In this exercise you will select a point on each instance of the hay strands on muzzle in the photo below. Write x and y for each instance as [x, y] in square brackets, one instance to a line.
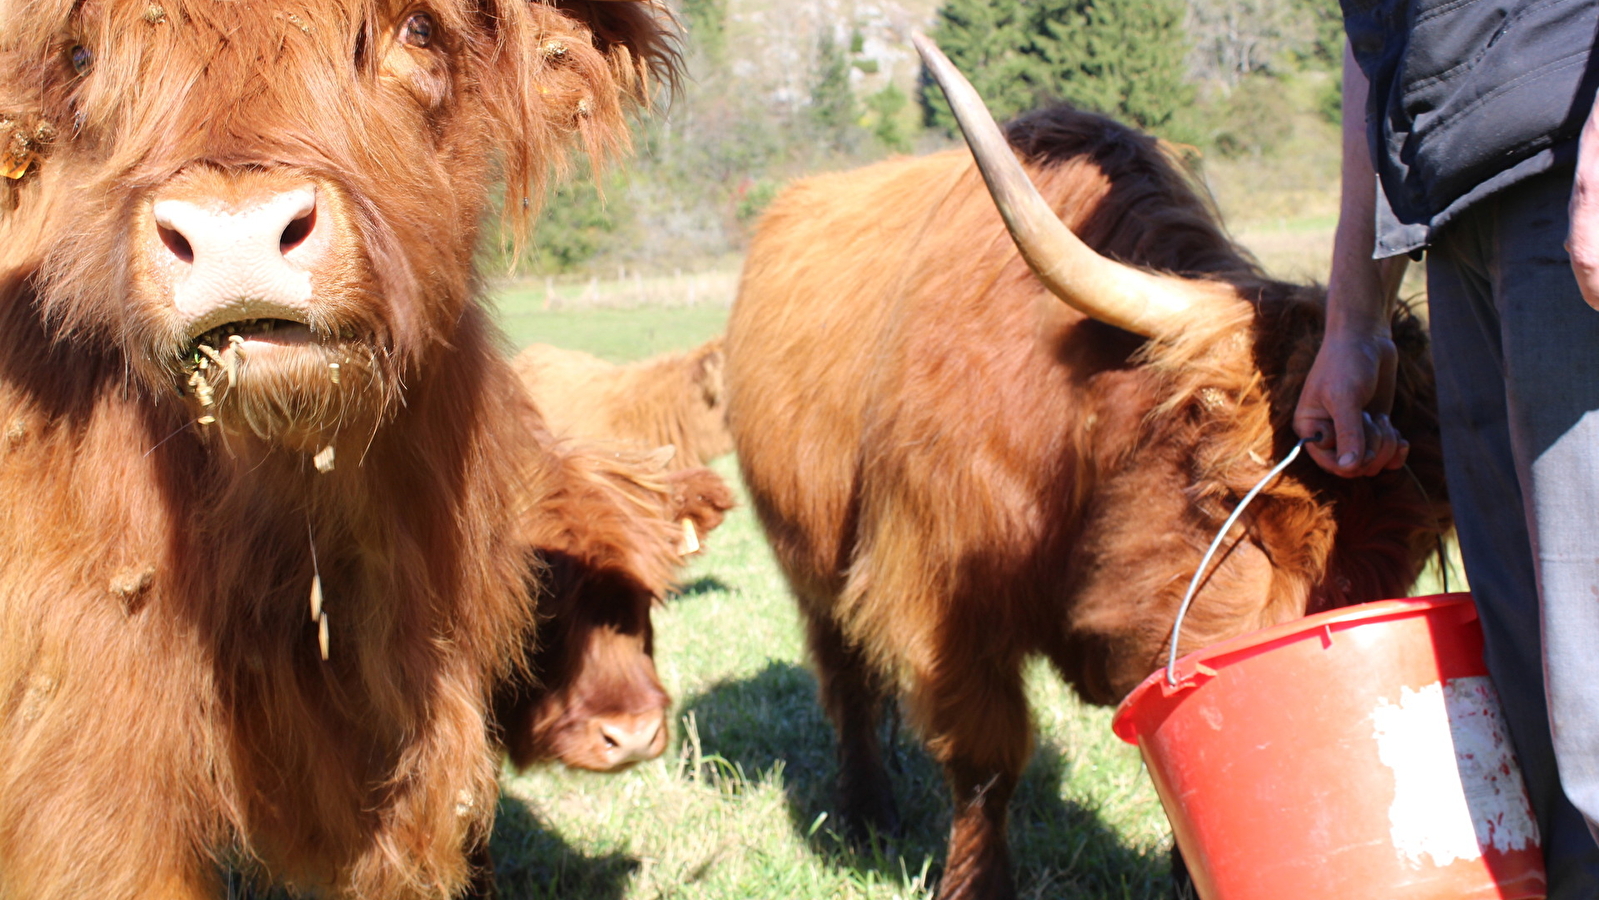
[1150, 304]
[688, 542]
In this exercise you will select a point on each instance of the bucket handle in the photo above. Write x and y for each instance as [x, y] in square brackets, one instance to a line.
[1204, 562]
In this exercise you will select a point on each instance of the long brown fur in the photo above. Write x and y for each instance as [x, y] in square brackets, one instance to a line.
[672, 398]
[958, 472]
[163, 708]
[606, 547]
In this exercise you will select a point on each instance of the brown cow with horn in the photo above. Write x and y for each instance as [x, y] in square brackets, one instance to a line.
[244, 369]
[965, 456]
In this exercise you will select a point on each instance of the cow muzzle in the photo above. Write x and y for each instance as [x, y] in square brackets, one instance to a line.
[614, 742]
[245, 262]
[257, 279]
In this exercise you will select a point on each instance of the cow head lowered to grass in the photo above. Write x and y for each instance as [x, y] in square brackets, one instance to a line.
[605, 545]
[241, 354]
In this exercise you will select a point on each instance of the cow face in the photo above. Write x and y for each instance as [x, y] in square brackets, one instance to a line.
[271, 209]
[598, 703]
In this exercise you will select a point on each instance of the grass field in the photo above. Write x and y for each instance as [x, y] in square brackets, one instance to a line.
[618, 319]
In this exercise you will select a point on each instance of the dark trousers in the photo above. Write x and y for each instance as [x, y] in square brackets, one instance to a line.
[1517, 355]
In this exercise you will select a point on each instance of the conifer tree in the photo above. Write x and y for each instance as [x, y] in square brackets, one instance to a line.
[705, 23]
[988, 40]
[1122, 57]
[832, 108]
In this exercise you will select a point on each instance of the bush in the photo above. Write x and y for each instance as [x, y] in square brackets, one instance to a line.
[705, 24]
[752, 198]
[574, 225]
[1254, 119]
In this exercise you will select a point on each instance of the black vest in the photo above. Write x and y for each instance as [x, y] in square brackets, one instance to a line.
[1468, 97]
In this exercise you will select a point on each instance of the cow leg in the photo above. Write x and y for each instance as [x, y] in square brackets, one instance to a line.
[853, 699]
[978, 865]
[978, 728]
[482, 886]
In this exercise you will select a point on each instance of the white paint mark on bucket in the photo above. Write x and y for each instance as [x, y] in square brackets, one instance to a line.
[1452, 812]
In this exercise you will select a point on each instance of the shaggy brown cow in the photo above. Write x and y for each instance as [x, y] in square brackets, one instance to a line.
[673, 398]
[959, 471]
[606, 540]
[241, 354]
[606, 546]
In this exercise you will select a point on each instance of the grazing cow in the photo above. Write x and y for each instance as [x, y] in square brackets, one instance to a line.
[958, 470]
[673, 398]
[606, 544]
[243, 366]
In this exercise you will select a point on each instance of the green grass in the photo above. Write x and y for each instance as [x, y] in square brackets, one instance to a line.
[619, 320]
[617, 334]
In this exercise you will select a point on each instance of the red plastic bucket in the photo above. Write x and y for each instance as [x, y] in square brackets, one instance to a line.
[1355, 753]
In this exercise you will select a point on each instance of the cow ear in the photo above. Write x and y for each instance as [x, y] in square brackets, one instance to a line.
[708, 372]
[562, 75]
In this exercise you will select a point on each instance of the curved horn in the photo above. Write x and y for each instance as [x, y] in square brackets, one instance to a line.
[1144, 303]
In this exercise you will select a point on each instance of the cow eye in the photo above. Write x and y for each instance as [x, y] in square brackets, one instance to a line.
[417, 30]
[81, 58]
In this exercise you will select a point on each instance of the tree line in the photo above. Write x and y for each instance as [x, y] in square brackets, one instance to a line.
[767, 99]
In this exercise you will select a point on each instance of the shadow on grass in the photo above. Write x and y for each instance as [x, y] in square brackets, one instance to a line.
[1059, 847]
[532, 862]
[705, 584]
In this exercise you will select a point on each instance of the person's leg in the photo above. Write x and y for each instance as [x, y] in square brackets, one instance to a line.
[1517, 354]
[1552, 368]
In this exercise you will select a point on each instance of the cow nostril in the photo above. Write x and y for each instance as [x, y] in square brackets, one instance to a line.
[176, 243]
[297, 231]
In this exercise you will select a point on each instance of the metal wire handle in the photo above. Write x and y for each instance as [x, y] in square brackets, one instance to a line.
[1204, 562]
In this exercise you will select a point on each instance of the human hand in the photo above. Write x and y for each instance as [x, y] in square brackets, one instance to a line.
[1350, 388]
[1582, 242]
[1346, 400]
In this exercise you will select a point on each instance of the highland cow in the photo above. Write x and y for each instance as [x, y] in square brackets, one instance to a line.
[672, 399]
[606, 544]
[959, 471]
[265, 540]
